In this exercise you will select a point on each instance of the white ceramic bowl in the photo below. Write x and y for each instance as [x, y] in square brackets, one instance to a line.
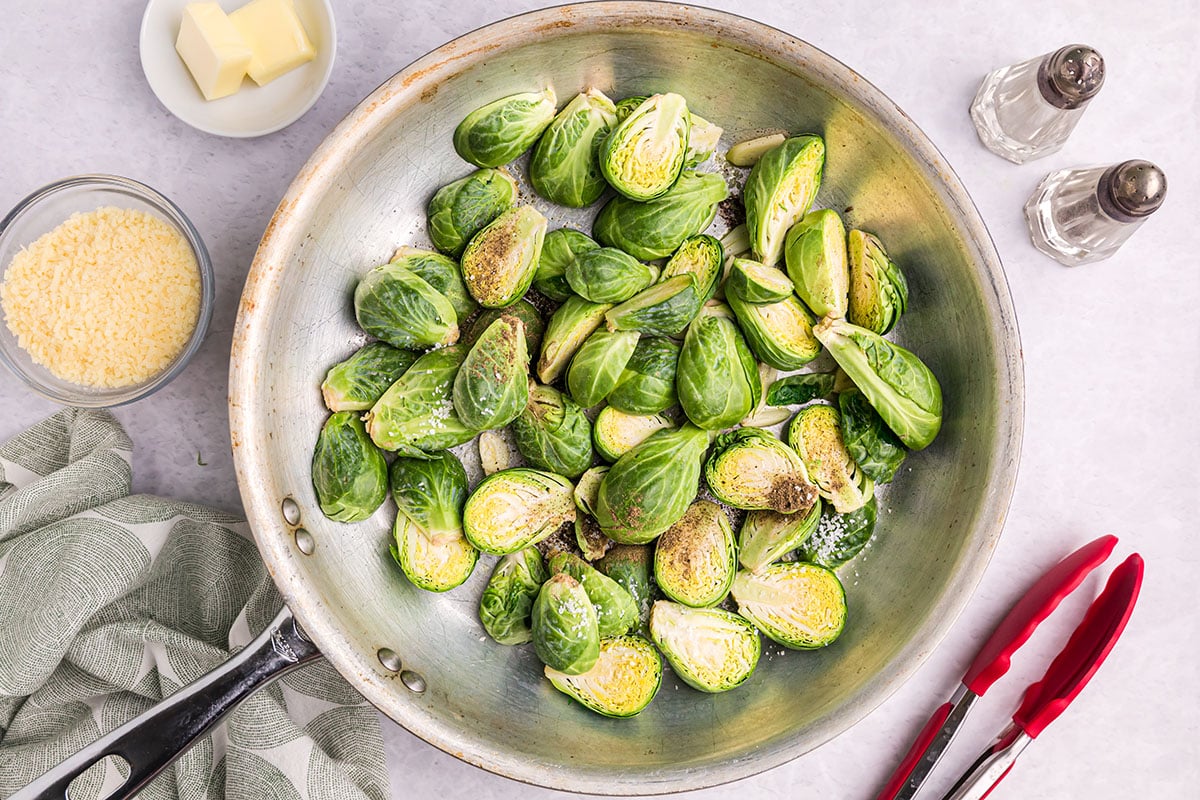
[253, 111]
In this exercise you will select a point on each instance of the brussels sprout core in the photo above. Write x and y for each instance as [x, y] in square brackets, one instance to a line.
[516, 508]
[695, 560]
[801, 606]
[615, 433]
[645, 153]
[710, 649]
[749, 468]
[878, 291]
[816, 435]
[623, 681]
[778, 192]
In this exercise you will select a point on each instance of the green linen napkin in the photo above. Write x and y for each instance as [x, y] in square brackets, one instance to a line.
[109, 602]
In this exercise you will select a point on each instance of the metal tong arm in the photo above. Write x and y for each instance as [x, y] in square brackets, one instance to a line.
[151, 741]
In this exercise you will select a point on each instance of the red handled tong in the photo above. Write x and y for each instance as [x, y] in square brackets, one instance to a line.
[1044, 700]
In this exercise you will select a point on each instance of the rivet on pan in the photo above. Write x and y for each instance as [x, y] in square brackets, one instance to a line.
[389, 659]
[413, 681]
[305, 541]
[291, 511]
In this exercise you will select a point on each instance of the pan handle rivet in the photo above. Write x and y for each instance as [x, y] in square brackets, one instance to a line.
[389, 659]
[291, 511]
[413, 681]
[305, 541]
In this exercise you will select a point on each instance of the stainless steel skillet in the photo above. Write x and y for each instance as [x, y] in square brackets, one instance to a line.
[421, 658]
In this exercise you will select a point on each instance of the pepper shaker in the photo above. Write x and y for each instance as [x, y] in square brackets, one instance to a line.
[1027, 110]
[1077, 216]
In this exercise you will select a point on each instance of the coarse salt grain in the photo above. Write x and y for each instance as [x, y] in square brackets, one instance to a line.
[107, 299]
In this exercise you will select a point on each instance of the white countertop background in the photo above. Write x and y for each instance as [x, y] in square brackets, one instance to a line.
[1112, 350]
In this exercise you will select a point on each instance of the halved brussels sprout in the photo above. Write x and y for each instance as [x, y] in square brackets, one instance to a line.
[695, 559]
[794, 390]
[416, 416]
[495, 453]
[816, 435]
[569, 326]
[441, 273]
[700, 255]
[656, 228]
[517, 508]
[553, 434]
[703, 138]
[461, 209]
[589, 538]
[878, 291]
[431, 492]
[629, 565]
[608, 275]
[507, 601]
[798, 605]
[717, 378]
[646, 151]
[587, 488]
[394, 304]
[767, 536]
[840, 537]
[778, 192]
[746, 153]
[651, 486]
[504, 129]
[598, 364]
[565, 168]
[815, 253]
[778, 333]
[615, 433]
[348, 471]
[560, 247]
[751, 469]
[755, 283]
[565, 632]
[623, 681]
[647, 384]
[616, 612]
[897, 384]
[432, 564]
[358, 382]
[735, 243]
[492, 387]
[710, 649]
[871, 443]
[664, 309]
[500, 260]
[628, 105]
[524, 311]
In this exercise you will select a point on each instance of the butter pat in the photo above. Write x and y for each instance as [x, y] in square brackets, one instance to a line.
[213, 50]
[276, 37]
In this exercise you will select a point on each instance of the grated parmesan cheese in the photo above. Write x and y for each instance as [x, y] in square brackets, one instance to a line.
[107, 299]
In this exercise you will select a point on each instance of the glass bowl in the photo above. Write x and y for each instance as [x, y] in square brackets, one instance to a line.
[43, 211]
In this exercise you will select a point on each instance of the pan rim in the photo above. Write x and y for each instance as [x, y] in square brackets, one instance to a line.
[267, 271]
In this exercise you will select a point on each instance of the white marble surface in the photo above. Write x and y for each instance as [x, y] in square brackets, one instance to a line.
[1112, 350]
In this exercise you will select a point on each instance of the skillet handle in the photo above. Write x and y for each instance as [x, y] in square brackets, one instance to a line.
[151, 741]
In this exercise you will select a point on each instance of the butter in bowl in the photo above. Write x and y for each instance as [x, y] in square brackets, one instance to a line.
[238, 68]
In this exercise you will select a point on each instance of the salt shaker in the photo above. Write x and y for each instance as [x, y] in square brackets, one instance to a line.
[1027, 110]
[1077, 216]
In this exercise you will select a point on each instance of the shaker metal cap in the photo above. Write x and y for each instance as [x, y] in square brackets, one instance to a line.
[1132, 190]
[1071, 76]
